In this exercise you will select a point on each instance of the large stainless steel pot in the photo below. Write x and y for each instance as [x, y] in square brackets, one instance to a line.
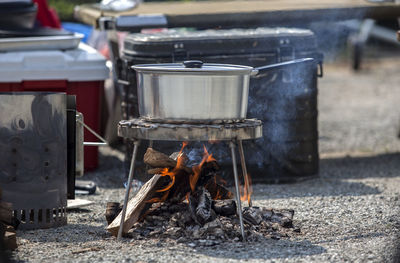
[197, 92]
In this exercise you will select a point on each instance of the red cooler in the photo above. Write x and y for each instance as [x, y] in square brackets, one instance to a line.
[79, 72]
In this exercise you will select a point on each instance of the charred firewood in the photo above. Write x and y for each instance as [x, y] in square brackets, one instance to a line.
[224, 207]
[200, 206]
[155, 170]
[208, 171]
[159, 160]
[175, 155]
[252, 215]
[217, 191]
[180, 188]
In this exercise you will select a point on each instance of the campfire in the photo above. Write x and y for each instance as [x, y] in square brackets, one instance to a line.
[193, 203]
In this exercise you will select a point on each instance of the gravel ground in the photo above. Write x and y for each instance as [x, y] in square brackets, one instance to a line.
[349, 213]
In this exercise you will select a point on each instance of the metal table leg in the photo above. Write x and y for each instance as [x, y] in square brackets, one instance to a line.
[128, 188]
[232, 145]
[244, 170]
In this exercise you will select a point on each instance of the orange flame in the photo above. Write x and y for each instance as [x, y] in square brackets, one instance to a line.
[197, 169]
[244, 194]
[179, 161]
[171, 174]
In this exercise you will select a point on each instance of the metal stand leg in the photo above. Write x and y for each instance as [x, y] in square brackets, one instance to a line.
[244, 170]
[128, 188]
[238, 201]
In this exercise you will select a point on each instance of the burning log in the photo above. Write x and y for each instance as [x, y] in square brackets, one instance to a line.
[155, 170]
[181, 156]
[218, 191]
[157, 159]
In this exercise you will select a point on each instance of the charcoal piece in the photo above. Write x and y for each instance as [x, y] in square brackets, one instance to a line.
[200, 206]
[282, 220]
[156, 232]
[214, 229]
[252, 215]
[224, 207]
[213, 225]
[173, 232]
[267, 214]
[208, 172]
[218, 191]
[181, 218]
[289, 213]
[112, 211]
[284, 217]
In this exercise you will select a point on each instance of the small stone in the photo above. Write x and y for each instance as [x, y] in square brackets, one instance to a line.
[174, 232]
[181, 240]
[196, 234]
[213, 225]
[236, 239]
[192, 245]
[297, 230]
[276, 237]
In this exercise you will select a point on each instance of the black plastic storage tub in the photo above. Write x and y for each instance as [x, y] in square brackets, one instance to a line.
[17, 14]
[285, 99]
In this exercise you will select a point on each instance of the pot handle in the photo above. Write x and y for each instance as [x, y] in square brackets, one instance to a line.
[193, 63]
[280, 65]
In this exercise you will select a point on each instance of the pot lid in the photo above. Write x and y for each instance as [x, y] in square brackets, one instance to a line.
[194, 66]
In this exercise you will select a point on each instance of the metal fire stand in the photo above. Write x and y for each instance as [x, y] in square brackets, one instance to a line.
[232, 132]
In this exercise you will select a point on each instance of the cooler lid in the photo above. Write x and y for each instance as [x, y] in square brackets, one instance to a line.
[218, 42]
[81, 64]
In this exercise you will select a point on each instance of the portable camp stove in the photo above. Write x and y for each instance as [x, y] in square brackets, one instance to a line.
[229, 131]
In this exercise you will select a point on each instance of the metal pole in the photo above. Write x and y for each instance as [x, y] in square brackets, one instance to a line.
[238, 201]
[244, 170]
[128, 188]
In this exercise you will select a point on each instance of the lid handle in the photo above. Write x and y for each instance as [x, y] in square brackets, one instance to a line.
[193, 63]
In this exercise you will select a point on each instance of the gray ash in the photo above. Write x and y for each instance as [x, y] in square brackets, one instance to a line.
[177, 222]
